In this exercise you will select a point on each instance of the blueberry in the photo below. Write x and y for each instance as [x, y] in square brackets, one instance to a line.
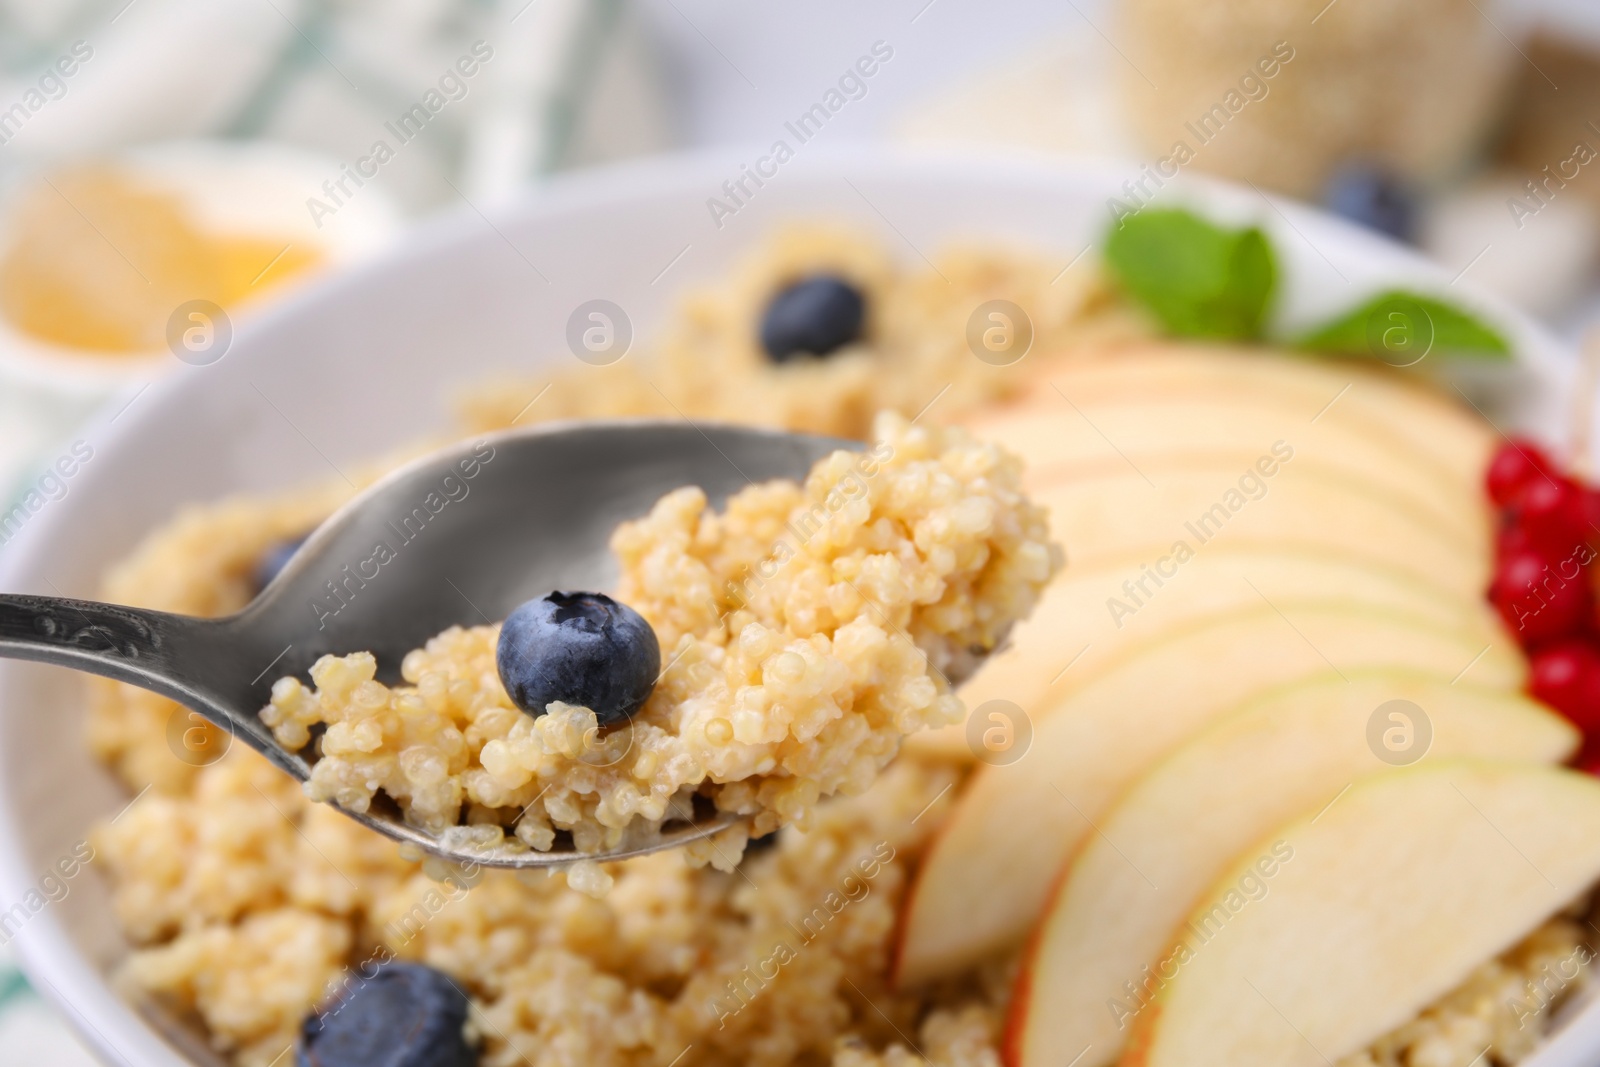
[404, 1015]
[1372, 198]
[580, 648]
[813, 316]
[274, 558]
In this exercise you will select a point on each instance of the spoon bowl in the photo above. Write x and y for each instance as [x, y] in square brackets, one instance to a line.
[459, 537]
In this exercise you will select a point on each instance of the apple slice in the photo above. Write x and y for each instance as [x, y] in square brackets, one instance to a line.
[1091, 614]
[1431, 424]
[1345, 924]
[1057, 430]
[1180, 510]
[1180, 827]
[987, 875]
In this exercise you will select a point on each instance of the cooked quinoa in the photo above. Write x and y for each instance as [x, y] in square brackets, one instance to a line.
[806, 629]
[913, 355]
[250, 902]
[1503, 1010]
[247, 904]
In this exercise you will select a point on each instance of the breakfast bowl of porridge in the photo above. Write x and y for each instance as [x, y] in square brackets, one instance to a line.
[1168, 669]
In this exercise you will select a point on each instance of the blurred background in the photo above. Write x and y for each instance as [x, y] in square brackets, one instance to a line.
[169, 168]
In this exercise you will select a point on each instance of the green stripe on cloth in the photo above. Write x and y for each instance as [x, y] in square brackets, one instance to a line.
[13, 987]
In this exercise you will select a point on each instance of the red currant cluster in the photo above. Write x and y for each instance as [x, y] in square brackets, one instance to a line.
[1544, 583]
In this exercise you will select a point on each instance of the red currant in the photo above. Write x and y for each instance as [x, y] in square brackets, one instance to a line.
[1567, 677]
[1588, 513]
[1588, 758]
[1554, 514]
[1510, 539]
[1540, 600]
[1517, 464]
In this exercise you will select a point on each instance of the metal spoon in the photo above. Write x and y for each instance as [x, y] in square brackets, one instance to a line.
[471, 532]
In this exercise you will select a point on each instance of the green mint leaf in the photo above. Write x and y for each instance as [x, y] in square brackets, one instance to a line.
[1401, 328]
[1201, 280]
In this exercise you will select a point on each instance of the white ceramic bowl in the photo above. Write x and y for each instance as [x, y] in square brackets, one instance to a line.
[368, 361]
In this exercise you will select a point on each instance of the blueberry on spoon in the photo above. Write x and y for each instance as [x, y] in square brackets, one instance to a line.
[579, 648]
[813, 316]
[405, 1015]
[274, 559]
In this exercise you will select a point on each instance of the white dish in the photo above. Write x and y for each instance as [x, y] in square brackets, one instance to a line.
[368, 360]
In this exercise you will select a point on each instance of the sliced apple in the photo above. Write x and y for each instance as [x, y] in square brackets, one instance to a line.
[1176, 831]
[1083, 621]
[1056, 430]
[1372, 909]
[1430, 424]
[1112, 510]
[986, 877]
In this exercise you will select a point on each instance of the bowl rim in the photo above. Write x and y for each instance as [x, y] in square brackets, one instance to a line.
[87, 998]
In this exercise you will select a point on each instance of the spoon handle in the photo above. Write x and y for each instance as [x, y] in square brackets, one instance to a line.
[128, 644]
[193, 661]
